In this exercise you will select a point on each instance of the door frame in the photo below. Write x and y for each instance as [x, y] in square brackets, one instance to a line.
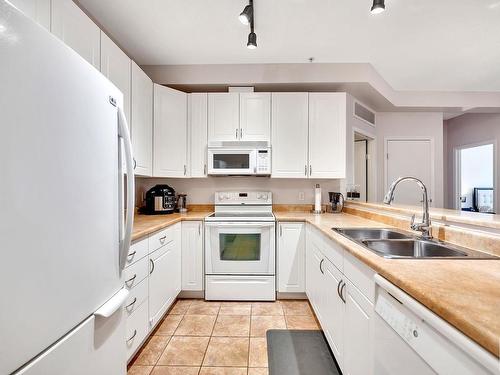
[457, 183]
[430, 188]
[372, 169]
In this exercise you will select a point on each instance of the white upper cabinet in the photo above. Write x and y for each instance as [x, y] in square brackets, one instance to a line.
[38, 10]
[70, 24]
[197, 134]
[116, 66]
[255, 116]
[141, 126]
[291, 258]
[327, 135]
[289, 134]
[170, 132]
[223, 116]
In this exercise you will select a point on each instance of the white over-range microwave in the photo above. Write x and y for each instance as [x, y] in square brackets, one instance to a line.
[239, 158]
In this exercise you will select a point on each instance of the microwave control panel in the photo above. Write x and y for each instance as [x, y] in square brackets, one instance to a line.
[263, 162]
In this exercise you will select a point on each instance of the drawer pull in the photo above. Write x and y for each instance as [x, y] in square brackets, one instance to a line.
[131, 303]
[162, 239]
[132, 337]
[342, 292]
[152, 266]
[131, 279]
[321, 268]
[131, 255]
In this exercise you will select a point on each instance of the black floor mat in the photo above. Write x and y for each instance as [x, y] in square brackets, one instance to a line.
[297, 352]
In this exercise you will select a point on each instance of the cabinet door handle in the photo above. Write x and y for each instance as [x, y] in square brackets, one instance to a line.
[241, 133]
[131, 303]
[342, 292]
[131, 255]
[338, 288]
[236, 135]
[132, 337]
[199, 229]
[162, 239]
[185, 169]
[305, 170]
[152, 266]
[205, 170]
[320, 266]
[281, 231]
[310, 170]
[135, 163]
[131, 279]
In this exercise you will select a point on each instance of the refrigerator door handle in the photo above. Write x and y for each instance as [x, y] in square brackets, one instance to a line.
[125, 239]
[113, 304]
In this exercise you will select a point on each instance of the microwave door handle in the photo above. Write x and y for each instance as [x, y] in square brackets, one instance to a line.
[126, 235]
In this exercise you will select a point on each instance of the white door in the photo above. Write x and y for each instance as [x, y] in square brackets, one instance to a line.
[38, 10]
[358, 351]
[170, 132]
[161, 281]
[142, 121]
[197, 129]
[192, 255]
[62, 264]
[76, 29]
[409, 157]
[333, 310]
[255, 116]
[291, 257]
[116, 66]
[327, 135]
[289, 134]
[223, 116]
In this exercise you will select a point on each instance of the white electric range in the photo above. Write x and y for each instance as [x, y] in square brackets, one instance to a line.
[240, 247]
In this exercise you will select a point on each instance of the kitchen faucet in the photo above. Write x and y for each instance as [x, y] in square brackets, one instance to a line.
[425, 225]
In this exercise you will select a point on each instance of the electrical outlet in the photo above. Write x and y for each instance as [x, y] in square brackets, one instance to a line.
[302, 196]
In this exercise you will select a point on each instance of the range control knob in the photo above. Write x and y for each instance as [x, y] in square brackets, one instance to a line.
[264, 197]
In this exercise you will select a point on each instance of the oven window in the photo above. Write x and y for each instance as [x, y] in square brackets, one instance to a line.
[231, 161]
[239, 247]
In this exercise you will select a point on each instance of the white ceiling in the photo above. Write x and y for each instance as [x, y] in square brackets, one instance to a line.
[439, 45]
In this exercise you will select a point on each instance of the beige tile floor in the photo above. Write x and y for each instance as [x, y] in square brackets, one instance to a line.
[218, 338]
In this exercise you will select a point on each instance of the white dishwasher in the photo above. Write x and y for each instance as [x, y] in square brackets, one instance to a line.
[410, 339]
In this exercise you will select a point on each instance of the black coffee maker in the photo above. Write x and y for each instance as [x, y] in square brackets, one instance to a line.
[336, 202]
[160, 199]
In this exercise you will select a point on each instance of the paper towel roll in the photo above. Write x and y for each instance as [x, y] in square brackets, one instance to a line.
[317, 199]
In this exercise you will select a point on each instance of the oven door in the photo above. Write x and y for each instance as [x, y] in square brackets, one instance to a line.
[245, 248]
[231, 161]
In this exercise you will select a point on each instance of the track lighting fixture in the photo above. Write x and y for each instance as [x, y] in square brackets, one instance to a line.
[246, 15]
[378, 6]
[246, 18]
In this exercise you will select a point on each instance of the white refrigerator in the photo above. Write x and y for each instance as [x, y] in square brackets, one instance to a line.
[64, 232]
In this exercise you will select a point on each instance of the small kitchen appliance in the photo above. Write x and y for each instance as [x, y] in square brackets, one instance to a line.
[336, 202]
[160, 199]
[181, 203]
[239, 158]
[240, 247]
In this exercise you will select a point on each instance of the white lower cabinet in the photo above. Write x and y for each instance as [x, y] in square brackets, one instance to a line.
[192, 255]
[344, 312]
[291, 257]
[164, 278]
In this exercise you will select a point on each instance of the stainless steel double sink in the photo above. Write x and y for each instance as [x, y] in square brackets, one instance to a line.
[392, 243]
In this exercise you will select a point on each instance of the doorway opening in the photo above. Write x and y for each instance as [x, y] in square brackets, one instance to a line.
[363, 185]
[475, 178]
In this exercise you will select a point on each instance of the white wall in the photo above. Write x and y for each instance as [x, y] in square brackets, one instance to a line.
[469, 129]
[201, 190]
[412, 124]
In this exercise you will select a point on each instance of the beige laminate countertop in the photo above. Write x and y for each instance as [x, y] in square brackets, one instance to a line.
[145, 225]
[465, 293]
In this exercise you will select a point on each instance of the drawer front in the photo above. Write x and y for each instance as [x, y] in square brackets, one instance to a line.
[137, 328]
[137, 251]
[137, 296]
[360, 275]
[136, 272]
[160, 238]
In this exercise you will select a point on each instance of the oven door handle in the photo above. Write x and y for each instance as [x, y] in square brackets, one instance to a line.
[244, 224]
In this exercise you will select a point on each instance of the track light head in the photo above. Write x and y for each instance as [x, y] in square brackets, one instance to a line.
[378, 6]
[252, 41]
[246, 16]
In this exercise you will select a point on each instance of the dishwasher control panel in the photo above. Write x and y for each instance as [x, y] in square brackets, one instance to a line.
[388, 309]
